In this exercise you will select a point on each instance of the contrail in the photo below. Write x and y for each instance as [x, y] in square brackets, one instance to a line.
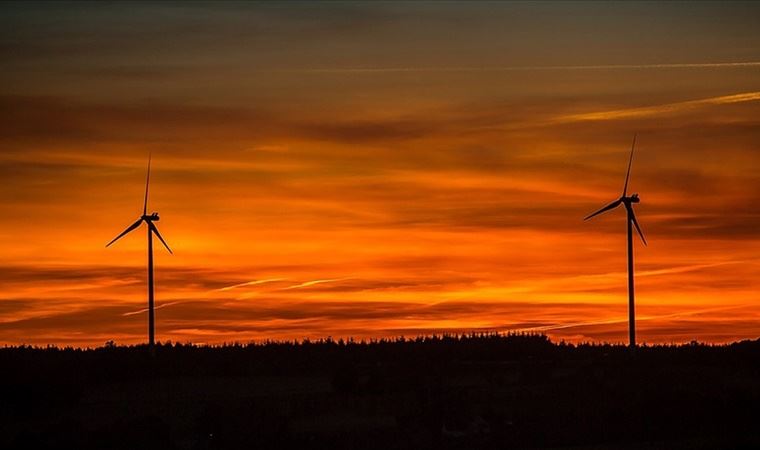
[250, 283]
[164, 305]
[381, 70]
[312, 283]
[646, 111]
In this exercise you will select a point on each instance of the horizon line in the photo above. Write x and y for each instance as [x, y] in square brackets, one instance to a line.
[350, 340]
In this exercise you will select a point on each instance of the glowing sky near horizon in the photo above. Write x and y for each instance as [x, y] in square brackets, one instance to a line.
[378, 169]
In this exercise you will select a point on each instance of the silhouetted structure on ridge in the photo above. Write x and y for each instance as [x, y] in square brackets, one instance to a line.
[628, 202]
[148, 219]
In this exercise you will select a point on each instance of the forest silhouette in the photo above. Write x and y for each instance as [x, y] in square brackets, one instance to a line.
[453, 391]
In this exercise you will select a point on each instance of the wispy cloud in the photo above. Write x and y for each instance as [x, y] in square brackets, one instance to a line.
[314, 282]
[622, 319]
[387, 70]
[685, 269]
[251, 283]
[140, 311]
[420, 159]
[668, 108]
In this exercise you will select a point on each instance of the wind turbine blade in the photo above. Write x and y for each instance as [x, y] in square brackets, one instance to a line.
[630, 161]
[612, 205]
[130, 228]
[147, 183]
[636, 224]
[155, 230]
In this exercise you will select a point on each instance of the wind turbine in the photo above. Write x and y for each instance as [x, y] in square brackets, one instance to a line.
[148, 219]
[628, 202]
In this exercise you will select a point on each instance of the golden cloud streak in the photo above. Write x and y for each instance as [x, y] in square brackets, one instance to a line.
[649, 111]
[389, 70]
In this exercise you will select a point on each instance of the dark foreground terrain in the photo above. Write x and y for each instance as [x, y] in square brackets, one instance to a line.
[451, 392]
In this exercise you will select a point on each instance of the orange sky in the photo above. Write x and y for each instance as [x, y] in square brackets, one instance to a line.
[378, 169]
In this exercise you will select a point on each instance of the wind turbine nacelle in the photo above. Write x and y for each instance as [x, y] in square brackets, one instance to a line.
[153, 217]
[635, 198]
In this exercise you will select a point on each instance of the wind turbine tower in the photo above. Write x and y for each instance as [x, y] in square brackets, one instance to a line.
[151, 226]
[628, 202]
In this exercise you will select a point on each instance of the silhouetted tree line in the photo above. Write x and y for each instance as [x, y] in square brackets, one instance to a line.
[449, 391]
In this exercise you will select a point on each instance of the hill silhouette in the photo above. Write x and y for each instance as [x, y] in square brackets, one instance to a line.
[463, 391]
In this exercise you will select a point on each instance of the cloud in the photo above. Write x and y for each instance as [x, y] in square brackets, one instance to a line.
[412, 69]
[657, 110]
[307, 284]
[144, 310]
[268, 316]
[251, 283]
[63, 120]
[433, 164]
[273, 317]
[67, 277]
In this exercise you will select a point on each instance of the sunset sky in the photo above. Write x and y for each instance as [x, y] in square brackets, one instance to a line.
[378, 169]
